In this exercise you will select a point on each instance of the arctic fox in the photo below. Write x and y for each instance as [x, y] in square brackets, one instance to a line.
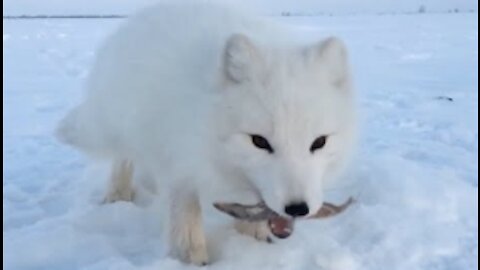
[205, 98]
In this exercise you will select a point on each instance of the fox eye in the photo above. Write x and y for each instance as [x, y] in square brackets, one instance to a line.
[319, 143]
[262, 143]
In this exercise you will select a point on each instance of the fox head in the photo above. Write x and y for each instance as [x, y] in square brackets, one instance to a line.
[286, 119]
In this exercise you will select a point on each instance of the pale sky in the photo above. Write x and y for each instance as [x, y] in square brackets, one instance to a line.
[15, 7]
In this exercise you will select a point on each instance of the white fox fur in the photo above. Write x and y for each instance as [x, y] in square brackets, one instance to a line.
[179, 88]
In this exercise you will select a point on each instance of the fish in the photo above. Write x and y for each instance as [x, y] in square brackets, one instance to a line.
[280, 226]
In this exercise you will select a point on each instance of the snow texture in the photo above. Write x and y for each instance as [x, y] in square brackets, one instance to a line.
[415, 175]
[19, 7]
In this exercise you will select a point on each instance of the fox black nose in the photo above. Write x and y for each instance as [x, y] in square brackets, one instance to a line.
[297, 209]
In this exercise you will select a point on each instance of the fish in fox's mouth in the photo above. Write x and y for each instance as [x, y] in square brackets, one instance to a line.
[280, 226]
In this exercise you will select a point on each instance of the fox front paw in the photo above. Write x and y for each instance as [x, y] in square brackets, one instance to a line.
[258, 230]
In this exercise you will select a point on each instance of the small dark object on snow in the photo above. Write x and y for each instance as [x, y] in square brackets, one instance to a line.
[445, 98]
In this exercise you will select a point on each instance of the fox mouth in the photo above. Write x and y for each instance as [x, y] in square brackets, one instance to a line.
[280, 226]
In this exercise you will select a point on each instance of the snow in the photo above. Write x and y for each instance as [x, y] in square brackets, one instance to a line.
[415, 175]
[18, 7]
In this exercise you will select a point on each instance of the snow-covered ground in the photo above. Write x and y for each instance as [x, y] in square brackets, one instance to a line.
[19, 7]
[415, 175]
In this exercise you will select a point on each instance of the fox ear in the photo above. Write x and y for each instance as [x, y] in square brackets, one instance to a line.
[242, 61]
[331, 56]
